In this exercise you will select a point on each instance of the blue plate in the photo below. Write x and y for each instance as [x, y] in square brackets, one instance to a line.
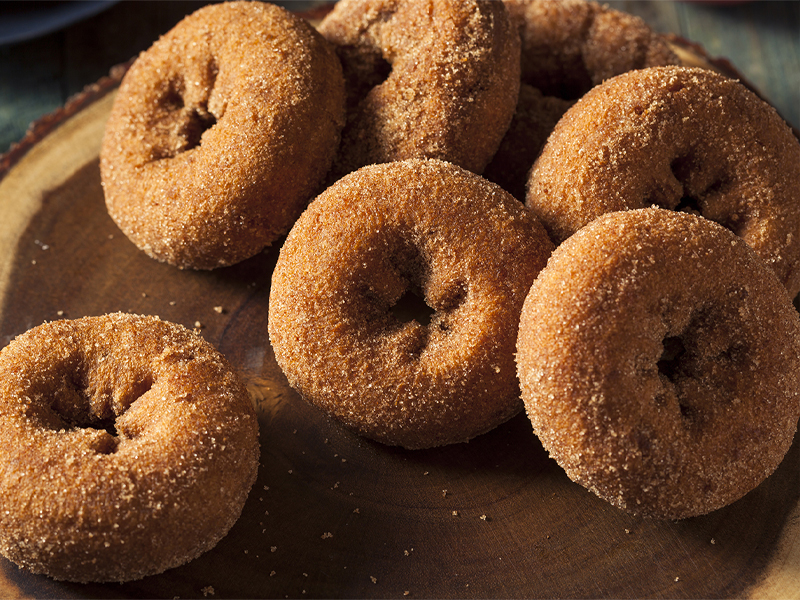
[20, 21]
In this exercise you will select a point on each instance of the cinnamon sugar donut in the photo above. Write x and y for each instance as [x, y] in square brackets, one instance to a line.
[679, 138]
[659, 361]
[425, 79]
[568, 47]
[127, 447]
[355, 259]
[220, 134]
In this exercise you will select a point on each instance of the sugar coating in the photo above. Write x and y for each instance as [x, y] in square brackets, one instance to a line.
[567, 47]
[678, 138]
[659, 362]
[380, 233]
[425, 79]
[127, 447]
[220, 134]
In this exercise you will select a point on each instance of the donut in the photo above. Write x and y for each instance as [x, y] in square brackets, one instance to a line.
[395, 301]
[659, 362]
[567, 47]
[679, 138]
[425, 79]
[127, 447]
[220, 133]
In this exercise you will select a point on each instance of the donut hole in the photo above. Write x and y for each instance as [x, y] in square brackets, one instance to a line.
[172, 100]
[721, 205]
[688, 204]
[673, 368]
[197, 120]
[182, 123]
[75, 409]
[363, 69]
[669, 363]
[403, 280]
[424, 303]
[101, 435]
[81, 404]
[410, 316]
[107, 426]
[681, 169]
[704, 190]
[701, 367]
[412, 307]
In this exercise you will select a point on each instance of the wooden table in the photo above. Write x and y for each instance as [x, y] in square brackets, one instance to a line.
[332, 514]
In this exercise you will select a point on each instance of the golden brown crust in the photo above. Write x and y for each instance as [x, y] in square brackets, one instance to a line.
[659, 361]
[567, 47]
[372, 238]
[426, 79]
[127, 447]
[679, 138]
[220, 134]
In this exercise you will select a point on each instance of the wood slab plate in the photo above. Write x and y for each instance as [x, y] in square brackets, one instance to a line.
[333, 515]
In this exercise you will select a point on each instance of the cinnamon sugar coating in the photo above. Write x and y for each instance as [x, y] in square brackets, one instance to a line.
[220, 134]
[127, 447]
[425, 79]
[683, 139]
[359, 253]
[567, 47]
[659, 361]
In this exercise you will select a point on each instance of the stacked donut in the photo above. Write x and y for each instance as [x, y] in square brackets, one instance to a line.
[637, 304]
[431, 91]
[228, 125]
[568, 47]
[657, 351]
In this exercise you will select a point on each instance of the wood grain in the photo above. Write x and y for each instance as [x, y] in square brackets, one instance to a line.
[334, 515]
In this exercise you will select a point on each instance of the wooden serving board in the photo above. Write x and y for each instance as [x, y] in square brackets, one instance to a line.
[331, 514]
